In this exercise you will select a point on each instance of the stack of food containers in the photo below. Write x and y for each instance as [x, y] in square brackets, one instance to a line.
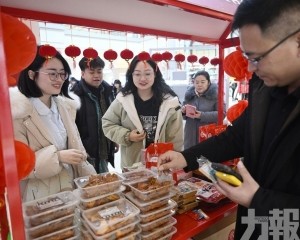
[153, 198]
[185, 197]
[105, 213]
[52, 217]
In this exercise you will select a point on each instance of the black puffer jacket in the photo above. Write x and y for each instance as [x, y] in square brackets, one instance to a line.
[89, 122]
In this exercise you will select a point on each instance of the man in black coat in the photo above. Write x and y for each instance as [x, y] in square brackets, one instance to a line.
[96, 95]
[266, 135]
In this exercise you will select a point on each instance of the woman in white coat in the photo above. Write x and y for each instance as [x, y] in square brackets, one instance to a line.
[145, 111]
[44, 118]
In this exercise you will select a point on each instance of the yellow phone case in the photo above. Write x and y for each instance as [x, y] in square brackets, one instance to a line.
[228, 178]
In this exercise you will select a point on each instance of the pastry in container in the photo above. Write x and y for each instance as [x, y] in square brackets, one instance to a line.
[134, 235]
[151, 188]
[46, 209]
[87, 203]
[116, 234]
[156, 223]
[52, 226]
[169, 235]
[158, 213]
[69, 233]
[137, 176]
[95, 185]
[159, 232]
[146, 206]
[111, 216]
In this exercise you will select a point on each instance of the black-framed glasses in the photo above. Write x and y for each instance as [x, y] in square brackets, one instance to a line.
[53, 76]
[256, 60]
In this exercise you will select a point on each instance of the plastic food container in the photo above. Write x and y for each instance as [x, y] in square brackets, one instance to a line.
[111, 216]
[95, 185]
[51, 227]
[87, 203]
[146, 206]
[158, 213]
[186, 189]
[137, 176]
[169, 235]
[49, 208]
[160, 232]
[116, 234]
[67, 233]
[134, 235]
[155, 191]
[156, 223]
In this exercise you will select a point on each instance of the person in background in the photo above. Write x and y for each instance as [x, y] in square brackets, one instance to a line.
[266, 135]
[203, 95]
[96, 96]
[43, 116]
[72, 81]
[145, 111]
[117, 86]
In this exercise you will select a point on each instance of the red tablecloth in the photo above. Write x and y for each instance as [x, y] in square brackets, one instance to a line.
[188, 227]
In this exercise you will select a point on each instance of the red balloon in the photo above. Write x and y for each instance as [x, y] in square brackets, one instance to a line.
[19, 44]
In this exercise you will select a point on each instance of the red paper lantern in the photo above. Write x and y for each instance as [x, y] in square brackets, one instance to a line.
[236, 66]
[143, 56]
[157, 57]
[47, 51]
[192, 59]
[90, 53]
[73, 52]
[179, 58]
[110, 55]
[19, 44]
[126, 54]
[236, 110]
[203, 60]
[167, 56]
[215, 61]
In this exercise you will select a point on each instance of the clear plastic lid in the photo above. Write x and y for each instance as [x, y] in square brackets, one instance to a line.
[160, 231]
[49, 208]
[151, 188]
[52, 226]
[110, 216]
[116, 234]
[67, 233]
[146, 206]
[104, 183]
[158, 213]
[137, 176]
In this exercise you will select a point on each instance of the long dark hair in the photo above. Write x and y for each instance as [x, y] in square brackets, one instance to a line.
[159, 87]
[29, 88]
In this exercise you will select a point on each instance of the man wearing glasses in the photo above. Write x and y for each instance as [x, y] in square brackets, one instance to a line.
[266, 135]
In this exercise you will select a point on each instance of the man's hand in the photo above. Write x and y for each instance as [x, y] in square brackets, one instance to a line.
[171, 160]
[242, 194]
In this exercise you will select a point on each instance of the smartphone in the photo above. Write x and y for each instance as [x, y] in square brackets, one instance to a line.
[227, 174]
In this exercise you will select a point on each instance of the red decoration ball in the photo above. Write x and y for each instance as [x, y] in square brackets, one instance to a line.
[144, 56]
[179, 57]
[72, 51]
[157, 57]
[110, 55]
[192, 58]
[126, 54]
